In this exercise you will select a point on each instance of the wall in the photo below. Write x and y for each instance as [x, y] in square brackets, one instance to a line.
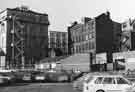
[104, 34]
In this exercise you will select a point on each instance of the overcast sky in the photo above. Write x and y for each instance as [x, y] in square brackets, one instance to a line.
[62, 12]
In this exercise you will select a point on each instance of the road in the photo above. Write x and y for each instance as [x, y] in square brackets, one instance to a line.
[38, 87]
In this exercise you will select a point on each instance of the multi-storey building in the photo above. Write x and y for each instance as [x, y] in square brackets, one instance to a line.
[98, 35]
[58, 43]
[80, 35]
[128, 35]
[23, 36]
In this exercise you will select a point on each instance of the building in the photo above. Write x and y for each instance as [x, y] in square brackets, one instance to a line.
[79, 36]
[23, 36]
[128, 35]
[58, 43]
[97, 35]
[124, 60]
[117, 31]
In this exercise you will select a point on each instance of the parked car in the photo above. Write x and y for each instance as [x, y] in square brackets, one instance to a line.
[3, 80]
[39, 76]
[78, 83]
[56, 76]
[27, 77]
[108, 83]
[7, 77]
[23, 76]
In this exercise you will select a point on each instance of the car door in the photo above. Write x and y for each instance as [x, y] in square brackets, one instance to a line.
[109, 84]
[97, 84]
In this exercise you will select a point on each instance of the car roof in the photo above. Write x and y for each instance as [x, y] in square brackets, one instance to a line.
[105, 74]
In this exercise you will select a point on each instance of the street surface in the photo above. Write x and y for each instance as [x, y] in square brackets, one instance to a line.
[38, 87]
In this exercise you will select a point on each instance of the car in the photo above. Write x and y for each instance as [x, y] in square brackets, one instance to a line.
[39, 77]
[57, 76]
[27, 77]
[23, 76]
[8, 77]
[78, 83]
[3, 80]
[108, 83]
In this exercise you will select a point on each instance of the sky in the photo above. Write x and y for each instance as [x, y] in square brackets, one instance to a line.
[62, 13]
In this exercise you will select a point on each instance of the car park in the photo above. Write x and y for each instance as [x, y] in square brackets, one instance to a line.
[108, 83]
[56, 76]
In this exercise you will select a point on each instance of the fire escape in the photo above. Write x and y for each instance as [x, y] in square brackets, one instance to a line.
[18, 59]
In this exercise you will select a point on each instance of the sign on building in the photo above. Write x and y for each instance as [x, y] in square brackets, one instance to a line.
[101, 58]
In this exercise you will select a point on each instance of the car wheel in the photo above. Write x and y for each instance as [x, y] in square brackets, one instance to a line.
[100, 91]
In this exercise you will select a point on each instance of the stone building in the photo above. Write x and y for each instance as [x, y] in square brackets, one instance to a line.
[23, 36]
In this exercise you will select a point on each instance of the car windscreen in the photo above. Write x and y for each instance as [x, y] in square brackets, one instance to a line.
[98, 80]
[89, 79]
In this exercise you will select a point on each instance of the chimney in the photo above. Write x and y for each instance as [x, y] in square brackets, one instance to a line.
[108, 14]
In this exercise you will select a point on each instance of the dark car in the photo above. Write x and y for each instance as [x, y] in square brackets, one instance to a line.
[23, 76]
[8, 77]
[27, 77]
[39, 76]
[3, 79]
[56, 76]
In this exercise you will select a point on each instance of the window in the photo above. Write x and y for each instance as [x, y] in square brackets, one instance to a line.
[98, 80]
[121, 81]
[87, 45]
[109, 80]
[77, 49]
[2, 28]
[92, 24]
[124, 25]
[86, 37]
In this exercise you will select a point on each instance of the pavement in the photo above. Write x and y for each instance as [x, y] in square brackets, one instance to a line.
[38, 87]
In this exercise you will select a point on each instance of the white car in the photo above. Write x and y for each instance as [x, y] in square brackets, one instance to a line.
[108, 83]
[78, 83]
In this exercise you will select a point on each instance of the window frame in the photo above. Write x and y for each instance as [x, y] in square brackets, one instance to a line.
[112, 82]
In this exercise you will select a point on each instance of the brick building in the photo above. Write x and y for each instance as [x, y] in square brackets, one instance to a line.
[97, 35]
[79, 37]
[58, 43]
[23, 36]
